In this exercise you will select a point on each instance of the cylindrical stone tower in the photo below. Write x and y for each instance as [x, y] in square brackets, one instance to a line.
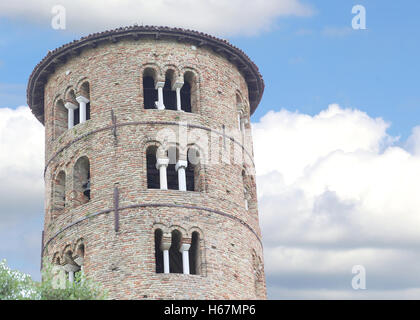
[149, 173]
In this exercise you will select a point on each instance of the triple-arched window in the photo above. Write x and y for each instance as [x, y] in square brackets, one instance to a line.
[171, 94]
[175, 254]
[168, 171]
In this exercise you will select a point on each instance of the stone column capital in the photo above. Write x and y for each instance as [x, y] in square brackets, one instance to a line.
[83, 99]
[159, 84]
[181, 164]
[71, 268]
[165, 245]
[71, 106]
[184, 247]
[177, 85]
[162, 162]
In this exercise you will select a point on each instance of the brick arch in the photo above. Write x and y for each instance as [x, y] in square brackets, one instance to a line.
[77, 246]
[80, 83]
[70, 95]
[172, 67]
[82, 176]
[182, 230]
[56, 258]
[161, 226]
[196, 229]
[68, 247]
[152, 66]
[193, 77]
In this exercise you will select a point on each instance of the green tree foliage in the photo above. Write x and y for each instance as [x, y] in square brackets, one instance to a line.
[15, 285]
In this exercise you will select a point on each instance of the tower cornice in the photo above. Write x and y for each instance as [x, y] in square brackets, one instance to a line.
[56, 57]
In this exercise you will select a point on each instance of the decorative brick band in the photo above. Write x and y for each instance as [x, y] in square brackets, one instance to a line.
[170, 123]
[154, 205]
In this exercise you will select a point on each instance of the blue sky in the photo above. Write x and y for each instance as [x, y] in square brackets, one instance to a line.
[307, 62]
[310, 58]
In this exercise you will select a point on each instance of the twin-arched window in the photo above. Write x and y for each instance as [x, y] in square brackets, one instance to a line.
[81, 182]
[73, 110]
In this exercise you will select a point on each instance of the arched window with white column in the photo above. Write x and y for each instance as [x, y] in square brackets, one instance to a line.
[150, 92]
[195, 254]
[175, 253]
[72, 106]
[169, 95]
[59, 193]
[82, 180]
[158, 251]
[83, 99]
[60, 118]
[175, 169]
[153, 180]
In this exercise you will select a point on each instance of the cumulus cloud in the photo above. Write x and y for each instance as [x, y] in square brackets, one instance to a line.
[215, 16]
[21, 164]
[334, 192]
[21, 188]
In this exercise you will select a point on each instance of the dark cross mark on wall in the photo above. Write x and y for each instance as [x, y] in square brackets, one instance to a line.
[114, 124]
[116, 209]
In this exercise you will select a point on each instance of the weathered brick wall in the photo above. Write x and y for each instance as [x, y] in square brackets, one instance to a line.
[124, 261]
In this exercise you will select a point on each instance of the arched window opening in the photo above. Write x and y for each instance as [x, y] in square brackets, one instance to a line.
[70, 266]
[175, 257]
[59, 199]
[153, 181]
[194, 253]
[169, 95]
[158, 251]
[72, 99]
[192, 172]
[60, 119]
[172, 174]
[240, 113]
[186, 97]
[82, 180]
[85, 92]
[150, 94]
[189, 92]
[79, 260]
[257, 268]
[245, 188]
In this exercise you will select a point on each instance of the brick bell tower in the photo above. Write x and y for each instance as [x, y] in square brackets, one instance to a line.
[149, 173]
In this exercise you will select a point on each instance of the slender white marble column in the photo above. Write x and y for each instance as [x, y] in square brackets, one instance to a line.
[82, 107]
[246, 199]
[161, 165]
[159, 87]
[185, 257]
[165, 248]
[71, 269]
[177, 87]
[70, 107]
[182, 181]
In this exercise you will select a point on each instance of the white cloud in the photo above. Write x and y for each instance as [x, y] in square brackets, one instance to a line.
[335, 192]
[21, 164]
[215, 16]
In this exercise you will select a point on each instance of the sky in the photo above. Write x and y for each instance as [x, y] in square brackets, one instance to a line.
[336, 135]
